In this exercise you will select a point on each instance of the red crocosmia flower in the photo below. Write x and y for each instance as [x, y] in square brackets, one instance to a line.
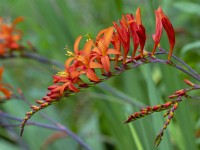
[133, 27]
[9, 36]
[163, 21]
[142, 38]
[83, 60]
[102, 50]
[124, 34]
[137, 31]
[4, 88]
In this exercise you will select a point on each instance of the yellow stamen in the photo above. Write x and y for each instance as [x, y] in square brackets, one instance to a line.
[62, 73]
[70, 54]
[88, 37]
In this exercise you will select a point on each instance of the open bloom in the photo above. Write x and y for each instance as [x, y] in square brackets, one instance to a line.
[102, 50]
[83, 60]
[163, 21]
[4, 88]
[9, 36]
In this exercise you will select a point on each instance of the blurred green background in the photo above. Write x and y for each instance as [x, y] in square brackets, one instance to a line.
[97, 114]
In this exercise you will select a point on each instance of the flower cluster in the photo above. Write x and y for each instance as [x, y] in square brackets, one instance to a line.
[9, 37]
[5, 89]
[100, 58]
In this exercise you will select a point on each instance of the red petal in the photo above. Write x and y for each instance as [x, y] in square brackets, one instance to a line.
[156, 37]
[170, 33]
[142, 38]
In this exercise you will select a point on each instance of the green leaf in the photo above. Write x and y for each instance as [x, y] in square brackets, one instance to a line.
[191, 46]
[188, 7]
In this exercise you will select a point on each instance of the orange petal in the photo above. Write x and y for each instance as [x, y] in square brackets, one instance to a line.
[1, 72]
[76, 44]
[6, 92]
[62, 87]
[68, 62]
[91, 75]
[74, 74]
[96, 49]
[100, 34]
[17, 20]
[106, 63]
[87, 49]
[113, 51]
[108, 35]
[95, 65]
[138, 16]
[73, 88]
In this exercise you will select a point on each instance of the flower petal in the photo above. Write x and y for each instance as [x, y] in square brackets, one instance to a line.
[95, 65]
[87, 49]
[68, 62]
[1, 73]
[96, 50]
[76, 44]
[113, 51]
[108, 35]
[91, 75]
[138, 16]
[73, 88]
[170, 33]
[17, 20]
[6, 92]
[106, 63]
[142, 38]
[156, 37]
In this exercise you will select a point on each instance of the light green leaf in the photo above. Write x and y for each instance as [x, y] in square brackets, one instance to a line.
[188, 7]
[189, 47]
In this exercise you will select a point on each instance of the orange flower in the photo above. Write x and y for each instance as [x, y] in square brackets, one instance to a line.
[4, 88]
[9, 36]
[163, 21]
[102, 50]
[83, 60]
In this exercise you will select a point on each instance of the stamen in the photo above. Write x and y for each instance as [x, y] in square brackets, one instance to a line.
[88, 37]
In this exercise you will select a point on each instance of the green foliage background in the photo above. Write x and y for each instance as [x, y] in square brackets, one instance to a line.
[97, 114]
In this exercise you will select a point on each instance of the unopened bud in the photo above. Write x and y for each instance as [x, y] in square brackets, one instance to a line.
[188, 82]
